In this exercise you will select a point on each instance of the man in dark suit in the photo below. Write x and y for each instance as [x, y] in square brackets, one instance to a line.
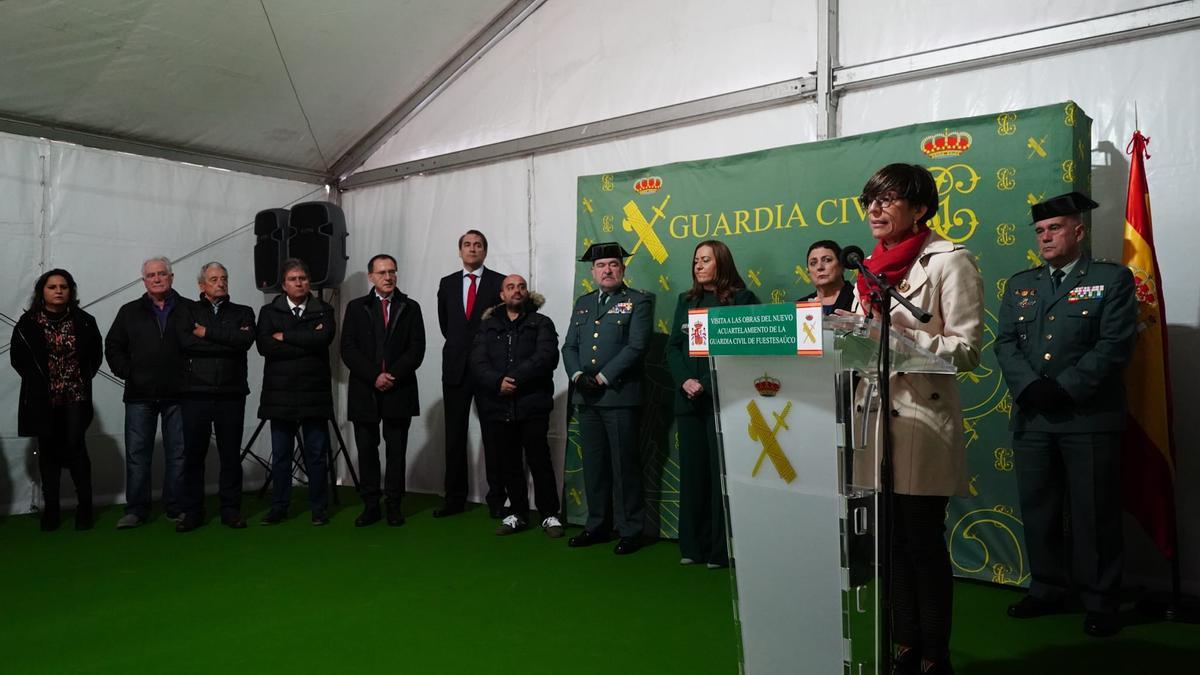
[214, 340]
[383, 343]
[603, 353]
[1067, 329]
[462, 297]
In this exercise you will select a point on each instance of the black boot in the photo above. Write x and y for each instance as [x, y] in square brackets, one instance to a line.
[51, 518]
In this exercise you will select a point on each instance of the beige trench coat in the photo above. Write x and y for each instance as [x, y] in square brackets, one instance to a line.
[929, 455]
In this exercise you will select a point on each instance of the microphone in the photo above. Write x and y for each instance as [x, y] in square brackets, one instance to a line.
[852, 257]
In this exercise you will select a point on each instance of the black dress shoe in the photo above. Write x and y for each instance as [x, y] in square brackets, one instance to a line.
[234, 522]
[84, 519]
[51, 519]
[274, 517]
[188, 524]
[1101, 624]
[395, 518]
[369, 516]
[586, 538]
[907, 661]
[448, 510]
[1030, 607]
[627, 545]
[320, 520]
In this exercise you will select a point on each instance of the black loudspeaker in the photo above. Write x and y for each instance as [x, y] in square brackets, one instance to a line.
[270, 248]
[319, 239]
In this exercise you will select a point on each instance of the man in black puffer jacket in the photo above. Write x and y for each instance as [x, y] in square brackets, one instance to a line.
[142, 348]
[294, 334]
[214, 339]
[513, 361]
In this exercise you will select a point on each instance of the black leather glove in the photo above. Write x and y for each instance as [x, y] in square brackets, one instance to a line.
[587, 383]
[1044, 395]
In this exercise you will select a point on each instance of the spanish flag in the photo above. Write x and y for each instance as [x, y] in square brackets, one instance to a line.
[1148, 453]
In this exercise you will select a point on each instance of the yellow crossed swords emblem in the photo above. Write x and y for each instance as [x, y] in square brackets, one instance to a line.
[759, 431]
[808, 333]
[636, 222]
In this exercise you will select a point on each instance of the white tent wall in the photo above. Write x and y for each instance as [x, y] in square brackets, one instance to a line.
[575, 62]
[99, 214]
[572, 63]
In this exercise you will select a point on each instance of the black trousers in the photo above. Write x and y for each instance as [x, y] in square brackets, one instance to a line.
[517, 443]
[202, 419]
[457, 405]
[1079, 474]
[395, 438]
[922, 581]
[701, 503]
[63, 447]
[609, 437]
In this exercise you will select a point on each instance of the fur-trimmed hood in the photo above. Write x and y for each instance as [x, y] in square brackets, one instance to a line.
[532, 304]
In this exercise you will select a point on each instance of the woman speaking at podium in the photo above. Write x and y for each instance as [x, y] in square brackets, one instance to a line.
[715, 282]
[929, 456]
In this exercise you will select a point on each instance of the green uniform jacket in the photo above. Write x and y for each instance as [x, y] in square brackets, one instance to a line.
[611, 344]
[1081, 336]
[684, 367]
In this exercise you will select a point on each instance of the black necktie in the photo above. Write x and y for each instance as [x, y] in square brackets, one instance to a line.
[603, 300]
[296, 311]
[1056, 279]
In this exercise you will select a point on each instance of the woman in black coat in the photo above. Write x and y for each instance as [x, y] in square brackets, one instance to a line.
[715, 282]
[824, 263]
[57, 350]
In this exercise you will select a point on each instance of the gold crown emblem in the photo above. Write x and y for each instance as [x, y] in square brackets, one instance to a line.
[767, 385]
[648, 185]
[946, 144]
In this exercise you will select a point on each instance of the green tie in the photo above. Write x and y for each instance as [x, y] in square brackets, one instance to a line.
[603, 300]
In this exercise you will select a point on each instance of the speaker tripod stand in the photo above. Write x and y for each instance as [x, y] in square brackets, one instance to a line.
[298, 459]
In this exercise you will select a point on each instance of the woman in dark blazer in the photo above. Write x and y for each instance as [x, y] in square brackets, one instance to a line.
[825, 269]
[57, 350]
[715, 282]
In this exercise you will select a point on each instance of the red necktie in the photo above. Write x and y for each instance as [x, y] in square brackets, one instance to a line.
[385, 302]
[471, 297]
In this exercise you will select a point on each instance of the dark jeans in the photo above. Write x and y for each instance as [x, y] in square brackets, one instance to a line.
[141, 419]
[922, 581]
[64, 447]
[609, 437]
[201, 418]
[1078, 474]
[456, 400]
[316, 447]
[517, 443]
[395, 438]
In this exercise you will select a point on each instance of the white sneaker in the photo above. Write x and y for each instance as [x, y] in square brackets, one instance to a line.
[686, 561]
[552, 527]
[510, 525]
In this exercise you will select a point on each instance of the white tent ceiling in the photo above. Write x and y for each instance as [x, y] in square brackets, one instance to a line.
[206, 76]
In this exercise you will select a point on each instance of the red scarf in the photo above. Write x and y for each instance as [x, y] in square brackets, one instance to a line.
[893, 262]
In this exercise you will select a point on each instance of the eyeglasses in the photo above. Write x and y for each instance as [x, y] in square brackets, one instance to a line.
[884, 201]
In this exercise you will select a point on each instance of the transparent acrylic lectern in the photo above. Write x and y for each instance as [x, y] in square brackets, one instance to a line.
[800, 481]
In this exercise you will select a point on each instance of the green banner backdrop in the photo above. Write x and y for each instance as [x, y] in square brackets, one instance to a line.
[769, 206]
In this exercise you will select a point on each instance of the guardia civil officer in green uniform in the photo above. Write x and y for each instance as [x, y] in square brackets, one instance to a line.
[715, 282]
[603, 354]
[1067, 330]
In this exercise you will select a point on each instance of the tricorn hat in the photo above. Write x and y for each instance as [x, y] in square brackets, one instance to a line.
[604, 249]
[1063, 205]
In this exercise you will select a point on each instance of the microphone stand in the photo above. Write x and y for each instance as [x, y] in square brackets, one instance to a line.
[882, 298]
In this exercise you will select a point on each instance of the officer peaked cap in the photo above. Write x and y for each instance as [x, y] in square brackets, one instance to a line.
[1063, 205]
[604, 249]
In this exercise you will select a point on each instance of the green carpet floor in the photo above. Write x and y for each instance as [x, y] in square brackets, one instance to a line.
[434, 596]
